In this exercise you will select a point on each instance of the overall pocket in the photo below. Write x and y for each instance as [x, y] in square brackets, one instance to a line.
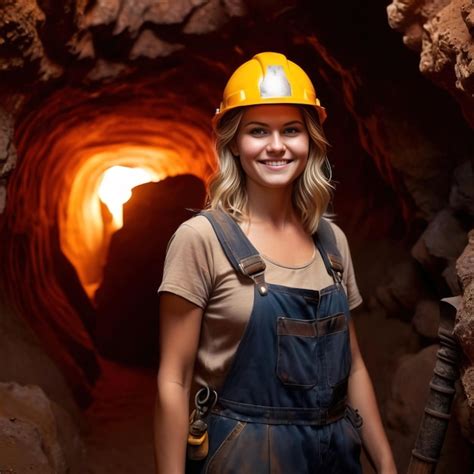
[223, 434]
[297, 363]
[337, 348]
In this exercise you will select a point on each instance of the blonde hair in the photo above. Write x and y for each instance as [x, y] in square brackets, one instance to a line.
[312, 190]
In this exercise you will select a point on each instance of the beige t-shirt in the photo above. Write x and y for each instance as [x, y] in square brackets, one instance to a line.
[197, 269]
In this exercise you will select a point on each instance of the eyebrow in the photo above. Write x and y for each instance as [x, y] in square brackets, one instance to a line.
[266, 124]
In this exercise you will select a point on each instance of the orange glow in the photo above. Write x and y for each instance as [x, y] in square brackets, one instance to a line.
[84, 235]
[115, 188]
[56, 232]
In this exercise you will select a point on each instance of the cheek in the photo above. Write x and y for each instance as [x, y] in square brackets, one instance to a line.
[248, 147]
[303, 148]
[246, 164]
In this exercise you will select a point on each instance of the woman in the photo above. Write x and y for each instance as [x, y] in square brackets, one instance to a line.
[256, 297]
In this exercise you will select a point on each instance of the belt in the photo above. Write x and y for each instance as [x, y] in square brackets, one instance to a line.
[280, 415]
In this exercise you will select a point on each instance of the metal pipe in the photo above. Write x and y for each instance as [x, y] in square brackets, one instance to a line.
[434, 423]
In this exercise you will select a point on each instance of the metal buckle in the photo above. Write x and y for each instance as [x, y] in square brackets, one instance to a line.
[254, 268]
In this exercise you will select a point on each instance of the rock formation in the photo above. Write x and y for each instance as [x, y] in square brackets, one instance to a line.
[442, 33]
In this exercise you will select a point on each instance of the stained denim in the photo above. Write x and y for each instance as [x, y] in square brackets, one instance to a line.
[282, 408]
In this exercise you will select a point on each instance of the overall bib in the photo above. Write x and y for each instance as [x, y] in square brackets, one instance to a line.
[282, 408]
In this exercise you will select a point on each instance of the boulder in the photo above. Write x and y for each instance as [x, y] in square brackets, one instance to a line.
[36, 435]
[403, 289]
[461, 197]
[426, 319]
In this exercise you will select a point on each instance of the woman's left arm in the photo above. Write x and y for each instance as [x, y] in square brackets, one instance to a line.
[362, 397]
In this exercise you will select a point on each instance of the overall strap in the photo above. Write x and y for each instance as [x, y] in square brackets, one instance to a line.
[325, 240]
[241, 254]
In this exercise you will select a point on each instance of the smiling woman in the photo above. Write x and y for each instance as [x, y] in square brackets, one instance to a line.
[256, 298]
[312, 190]
[273, 152]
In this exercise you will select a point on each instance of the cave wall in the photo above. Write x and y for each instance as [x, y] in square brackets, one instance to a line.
[402, 156]
[440, 31]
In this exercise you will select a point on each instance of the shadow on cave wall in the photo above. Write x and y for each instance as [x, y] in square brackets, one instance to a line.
[126, 327]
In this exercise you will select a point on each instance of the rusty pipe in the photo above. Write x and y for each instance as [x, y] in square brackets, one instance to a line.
[434, 423]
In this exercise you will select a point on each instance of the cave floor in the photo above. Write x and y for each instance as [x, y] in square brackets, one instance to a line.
[119, 433]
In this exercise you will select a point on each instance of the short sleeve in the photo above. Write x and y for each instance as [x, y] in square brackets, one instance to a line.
[187, 270]
[348, 278]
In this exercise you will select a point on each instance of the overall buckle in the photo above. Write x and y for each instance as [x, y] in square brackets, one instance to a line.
[254, 268]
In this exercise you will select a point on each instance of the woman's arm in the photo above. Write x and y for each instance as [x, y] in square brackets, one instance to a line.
[180, 324]
[362, 397]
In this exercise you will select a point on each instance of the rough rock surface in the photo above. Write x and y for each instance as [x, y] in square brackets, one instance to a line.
[410, 388]
[21, 448]
[442, 32]
[7, 149]
[445, 237]
[20, 25]
[426, 319]
[24, 360]
[403, 288]
[404, 410]
[464, 328]
[465, 414]
[440, 245]
[29, 425]
[40, 39]
[461, 198]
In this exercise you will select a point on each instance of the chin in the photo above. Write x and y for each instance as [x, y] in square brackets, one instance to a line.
[277, 184]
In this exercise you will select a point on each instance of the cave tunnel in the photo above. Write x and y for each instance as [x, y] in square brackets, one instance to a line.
[107, 147]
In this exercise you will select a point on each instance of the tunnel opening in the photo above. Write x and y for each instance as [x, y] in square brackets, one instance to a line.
[61, 234]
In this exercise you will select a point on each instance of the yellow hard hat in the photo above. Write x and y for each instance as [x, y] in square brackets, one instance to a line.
[269, 78]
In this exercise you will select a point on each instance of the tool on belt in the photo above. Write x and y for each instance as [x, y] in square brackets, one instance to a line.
[198, 439]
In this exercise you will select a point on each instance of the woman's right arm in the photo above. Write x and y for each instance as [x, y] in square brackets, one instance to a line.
[180, 324]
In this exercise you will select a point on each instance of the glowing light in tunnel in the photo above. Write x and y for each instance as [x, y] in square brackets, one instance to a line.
[116, 186]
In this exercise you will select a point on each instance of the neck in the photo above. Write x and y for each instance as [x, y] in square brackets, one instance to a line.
[270, 207]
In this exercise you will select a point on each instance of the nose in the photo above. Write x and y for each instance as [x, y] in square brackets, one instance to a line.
[275, 143]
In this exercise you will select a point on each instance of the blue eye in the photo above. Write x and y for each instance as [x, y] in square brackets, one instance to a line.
[292, 130]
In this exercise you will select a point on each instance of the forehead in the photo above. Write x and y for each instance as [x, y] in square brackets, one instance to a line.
[272, 113]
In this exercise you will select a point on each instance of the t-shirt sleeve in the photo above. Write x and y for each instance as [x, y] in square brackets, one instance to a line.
[187, 270]
[348, 278]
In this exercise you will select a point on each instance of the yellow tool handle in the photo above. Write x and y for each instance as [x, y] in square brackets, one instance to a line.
[195, 441]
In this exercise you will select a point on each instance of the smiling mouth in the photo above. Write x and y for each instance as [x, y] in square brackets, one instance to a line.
[276, 162]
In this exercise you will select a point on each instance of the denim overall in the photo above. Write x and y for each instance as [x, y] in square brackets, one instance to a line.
[282, 408]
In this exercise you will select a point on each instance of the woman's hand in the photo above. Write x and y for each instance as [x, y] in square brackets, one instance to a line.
[361, 396]
[180, 326]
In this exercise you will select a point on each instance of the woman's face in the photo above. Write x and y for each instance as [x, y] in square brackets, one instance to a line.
[273, 144]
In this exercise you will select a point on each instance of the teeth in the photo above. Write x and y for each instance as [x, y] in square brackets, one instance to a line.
[276, 163]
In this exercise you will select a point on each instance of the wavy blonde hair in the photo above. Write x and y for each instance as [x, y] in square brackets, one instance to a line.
[312, 190]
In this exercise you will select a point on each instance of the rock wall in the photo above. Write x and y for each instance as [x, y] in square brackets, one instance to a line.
[464, 330]
[442, 32]
[39, 419]
[37, 435]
